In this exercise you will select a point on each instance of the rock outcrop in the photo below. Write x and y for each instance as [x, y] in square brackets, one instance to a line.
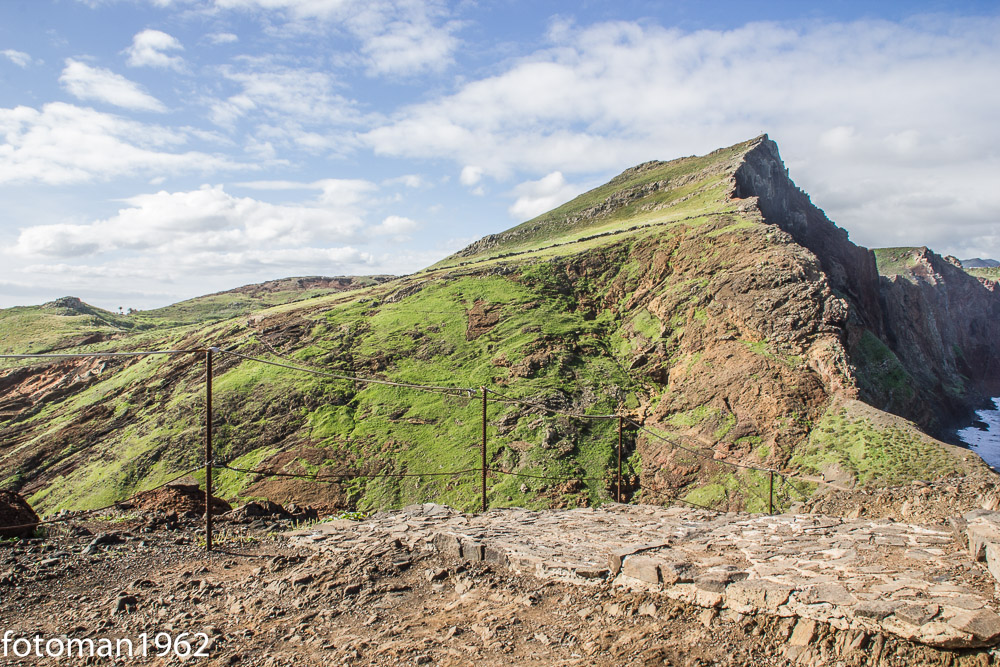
[858, 577]
[938, 321]
[850, 269]
[942, 325]
[180, 498]
[17, 519]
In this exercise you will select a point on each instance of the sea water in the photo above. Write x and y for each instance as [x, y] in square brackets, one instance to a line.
[983, 437]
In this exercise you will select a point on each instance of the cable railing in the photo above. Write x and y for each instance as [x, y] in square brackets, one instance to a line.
[613, 480]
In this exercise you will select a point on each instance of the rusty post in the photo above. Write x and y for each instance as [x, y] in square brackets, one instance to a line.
[620, 420]
[484, 448]
[770, 494]
[208, 449]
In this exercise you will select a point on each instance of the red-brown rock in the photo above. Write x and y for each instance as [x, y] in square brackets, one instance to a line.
[17, 519]
[178, 498]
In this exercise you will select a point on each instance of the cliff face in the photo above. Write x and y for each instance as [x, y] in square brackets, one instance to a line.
[922, 336]
[850, 268]
[943, 325]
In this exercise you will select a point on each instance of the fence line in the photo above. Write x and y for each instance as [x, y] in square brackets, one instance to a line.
[59, 355]
[558, 479]
[77, 515]
[696, 452]
[510, 400]
[458, 392]
[339, 376]
[322, 477]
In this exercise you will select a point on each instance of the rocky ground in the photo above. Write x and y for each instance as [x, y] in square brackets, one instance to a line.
[931, 502]
[376, 594]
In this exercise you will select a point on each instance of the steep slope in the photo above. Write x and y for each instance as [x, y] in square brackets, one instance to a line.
[706, 297]
[919, 331]
[941, 325]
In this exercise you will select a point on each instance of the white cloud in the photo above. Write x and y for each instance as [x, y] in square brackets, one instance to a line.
[397, 38]
[19, 58]
[301, 94]
[332, 191]
[223, 38]
[176, 224]
[409, 47]
[605, 95]
[63, 143]
[149, 49]
[408, 180]
[838, 140]
[847, 102]
[471, 175]
[193, 242]
[536, 197]
[95, 83]
[396, 227]
[279, 185]
[290, 107]
[298, 260]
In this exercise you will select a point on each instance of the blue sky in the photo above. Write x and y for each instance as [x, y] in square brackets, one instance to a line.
[155, 150]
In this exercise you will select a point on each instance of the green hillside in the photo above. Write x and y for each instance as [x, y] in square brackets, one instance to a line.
[245, 300]
[56, 325]
[653, 193]
[659, 296]
[70, 323]
[988, 272]
[896, 261]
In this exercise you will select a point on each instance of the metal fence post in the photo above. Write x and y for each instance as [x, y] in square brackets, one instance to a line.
[770, 493]
[208, 449]
[484, 448]
[620, 420]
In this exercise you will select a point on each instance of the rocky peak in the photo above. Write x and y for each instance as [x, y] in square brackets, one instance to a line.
[67, 303]
[851, 269]
[954, 261]
[636, 170]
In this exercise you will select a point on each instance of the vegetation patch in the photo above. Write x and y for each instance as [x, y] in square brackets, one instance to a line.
[881, 376]
[896, 261]
[868, 452]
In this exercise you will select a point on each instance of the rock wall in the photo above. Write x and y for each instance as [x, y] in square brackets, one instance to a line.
[936, 320]
[851, 269]
[942, 324]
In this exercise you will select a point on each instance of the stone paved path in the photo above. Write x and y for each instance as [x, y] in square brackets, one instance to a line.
[915, 582]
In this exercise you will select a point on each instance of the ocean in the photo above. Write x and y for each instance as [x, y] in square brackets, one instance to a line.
[983, 436]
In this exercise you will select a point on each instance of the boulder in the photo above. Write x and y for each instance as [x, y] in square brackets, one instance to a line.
[14, 512]
[180, 498]
[267, 509]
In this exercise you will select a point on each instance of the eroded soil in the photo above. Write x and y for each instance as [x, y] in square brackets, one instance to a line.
[264, 601]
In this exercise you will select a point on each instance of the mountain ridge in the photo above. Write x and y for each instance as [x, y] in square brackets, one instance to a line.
[707, 297]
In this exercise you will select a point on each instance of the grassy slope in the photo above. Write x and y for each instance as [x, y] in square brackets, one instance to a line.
[66, 322]
[989, 272]
[854, 443]
[377, 426]
[548, 343]
[239, 302]
[39, 329]
[700, 190]
[899, 261]
[895, 261]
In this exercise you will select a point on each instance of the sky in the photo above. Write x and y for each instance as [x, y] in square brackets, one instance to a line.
[157, 150]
